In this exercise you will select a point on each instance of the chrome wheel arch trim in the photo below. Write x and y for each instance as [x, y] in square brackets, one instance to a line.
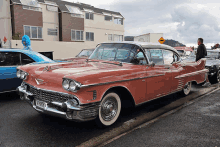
[115, 87]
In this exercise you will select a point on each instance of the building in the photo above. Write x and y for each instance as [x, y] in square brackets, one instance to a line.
[173, 43]
[150, 37]
[55, 20]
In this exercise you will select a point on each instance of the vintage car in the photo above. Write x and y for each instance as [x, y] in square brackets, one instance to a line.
[84, 54]
[212, 63]
[115, 74]
[10, 59]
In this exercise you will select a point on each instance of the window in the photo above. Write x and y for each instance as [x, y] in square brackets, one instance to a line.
[75, 11]
[108, 16]
[118, 37]
[52, 32]
[31, 5]
[118, 20]
[168, 57]
[110, 38]
[89, 36]
[89, 15]
[26, 59]
[33, 32]
[9, 59]
[52, 8]
[76, 35]
[156, 55]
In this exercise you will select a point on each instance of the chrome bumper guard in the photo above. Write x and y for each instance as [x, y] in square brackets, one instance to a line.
[61, 109]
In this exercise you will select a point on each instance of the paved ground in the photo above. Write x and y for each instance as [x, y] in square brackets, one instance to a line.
[22, 126]
[195, 125]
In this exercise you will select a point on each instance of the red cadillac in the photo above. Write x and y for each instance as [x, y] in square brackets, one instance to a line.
[114, 74]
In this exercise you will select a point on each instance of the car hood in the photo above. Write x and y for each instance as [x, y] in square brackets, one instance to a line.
[83, 72]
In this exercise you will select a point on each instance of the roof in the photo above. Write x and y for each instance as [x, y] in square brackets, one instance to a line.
[147, 34]
[63, 8]
[183, 48]
[147, 45]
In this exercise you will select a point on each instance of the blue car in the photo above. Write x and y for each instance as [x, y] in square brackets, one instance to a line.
[10, 59]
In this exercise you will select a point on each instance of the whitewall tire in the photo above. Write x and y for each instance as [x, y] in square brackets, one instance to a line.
[187, 88]
[109, 110]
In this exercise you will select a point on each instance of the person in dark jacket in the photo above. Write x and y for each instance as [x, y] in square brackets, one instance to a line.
[201, 50]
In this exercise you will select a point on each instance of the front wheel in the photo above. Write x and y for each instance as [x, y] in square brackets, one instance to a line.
[109, 110]
[215, 78]
[187, 88]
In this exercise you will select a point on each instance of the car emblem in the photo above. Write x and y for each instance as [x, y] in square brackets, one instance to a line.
[39, 81]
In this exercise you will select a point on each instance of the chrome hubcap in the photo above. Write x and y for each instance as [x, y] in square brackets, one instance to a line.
[187, 88]
[218, 76]
[109, 109]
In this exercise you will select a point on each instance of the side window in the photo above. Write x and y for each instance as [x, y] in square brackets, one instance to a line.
[9, 59]
[141, 58]
[26, 59]
[168, 57]
[156, 56]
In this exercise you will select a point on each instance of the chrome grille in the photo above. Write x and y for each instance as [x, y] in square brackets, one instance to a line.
[47, 96]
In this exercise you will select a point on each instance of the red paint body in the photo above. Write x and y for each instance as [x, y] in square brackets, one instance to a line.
[144, 82]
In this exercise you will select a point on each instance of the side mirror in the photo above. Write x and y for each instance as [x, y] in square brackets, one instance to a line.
[152, 64]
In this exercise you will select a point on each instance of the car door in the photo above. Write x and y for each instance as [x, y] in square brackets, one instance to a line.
[159, 76]
[8, 64]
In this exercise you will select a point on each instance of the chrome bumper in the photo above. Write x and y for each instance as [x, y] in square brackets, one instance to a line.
[61, 109]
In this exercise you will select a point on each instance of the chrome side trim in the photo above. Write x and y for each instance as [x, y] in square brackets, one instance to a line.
[191, 74]
[97, 84]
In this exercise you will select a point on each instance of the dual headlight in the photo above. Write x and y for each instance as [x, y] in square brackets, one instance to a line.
[71, 85]
[21, 74]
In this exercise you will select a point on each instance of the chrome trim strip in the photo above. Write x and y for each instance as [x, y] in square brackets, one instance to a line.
[96, 84]
[191, 74]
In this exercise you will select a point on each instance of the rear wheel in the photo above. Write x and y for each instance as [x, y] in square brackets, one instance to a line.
[109, 110]
[187, 88]
[215, 78]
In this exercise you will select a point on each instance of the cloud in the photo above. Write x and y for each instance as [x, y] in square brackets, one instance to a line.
[184, 21]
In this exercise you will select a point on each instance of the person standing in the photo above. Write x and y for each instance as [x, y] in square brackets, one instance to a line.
[201, 50]
[201, 53]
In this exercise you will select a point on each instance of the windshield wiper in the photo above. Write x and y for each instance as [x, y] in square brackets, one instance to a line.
[120, 63]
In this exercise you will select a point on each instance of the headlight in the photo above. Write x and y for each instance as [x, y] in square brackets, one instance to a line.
[18, 73]
[71, 85]
[21, 74]
[66, 84]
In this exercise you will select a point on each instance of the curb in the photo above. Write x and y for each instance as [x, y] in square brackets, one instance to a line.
[145, 119]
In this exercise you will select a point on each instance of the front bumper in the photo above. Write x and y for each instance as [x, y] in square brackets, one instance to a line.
[65, 110]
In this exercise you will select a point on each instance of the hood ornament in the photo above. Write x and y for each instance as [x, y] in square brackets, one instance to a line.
[39, 81]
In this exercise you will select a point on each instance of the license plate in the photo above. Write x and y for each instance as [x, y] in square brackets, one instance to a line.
[41, 104]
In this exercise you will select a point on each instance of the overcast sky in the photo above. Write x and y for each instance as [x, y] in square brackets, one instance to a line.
[181, 20]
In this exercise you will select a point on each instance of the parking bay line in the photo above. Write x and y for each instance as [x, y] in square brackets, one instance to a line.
[146, 119]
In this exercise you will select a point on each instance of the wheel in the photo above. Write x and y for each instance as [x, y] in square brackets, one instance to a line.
[215, 78]
[109, 110]
[187, 88]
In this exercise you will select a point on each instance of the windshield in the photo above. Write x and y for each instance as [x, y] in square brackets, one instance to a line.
[85, 53]
[115, 52]
[43, 57]
[212, 54]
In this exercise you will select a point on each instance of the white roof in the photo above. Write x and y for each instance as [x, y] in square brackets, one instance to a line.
[146, 45]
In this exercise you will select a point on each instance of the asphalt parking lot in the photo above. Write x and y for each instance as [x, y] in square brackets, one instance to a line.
[195, 125]
[20, 125]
